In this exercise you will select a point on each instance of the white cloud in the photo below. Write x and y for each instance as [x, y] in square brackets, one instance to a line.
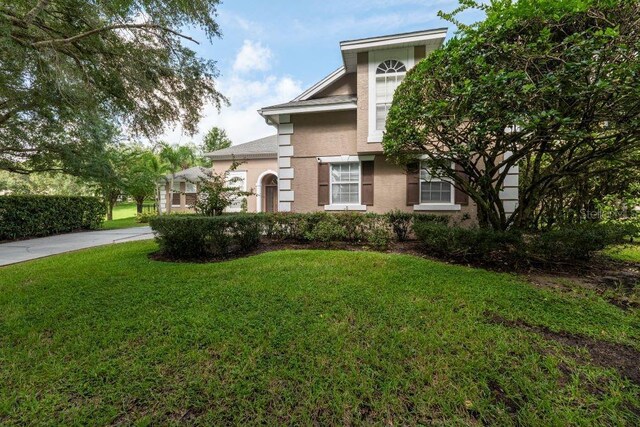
[253, 56]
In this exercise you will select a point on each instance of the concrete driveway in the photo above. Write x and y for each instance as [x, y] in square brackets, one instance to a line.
[25, 250]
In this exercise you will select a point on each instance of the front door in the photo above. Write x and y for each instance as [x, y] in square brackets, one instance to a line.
[271, 194]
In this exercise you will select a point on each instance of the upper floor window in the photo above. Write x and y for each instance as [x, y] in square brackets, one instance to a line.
[345, 183]
[389, 75]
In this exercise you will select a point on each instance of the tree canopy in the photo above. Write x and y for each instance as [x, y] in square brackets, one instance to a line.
[215, 139]
[551, 87]
[69, 64]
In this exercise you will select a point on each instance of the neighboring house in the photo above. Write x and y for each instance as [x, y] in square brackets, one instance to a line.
[257, 173]
[329, 151]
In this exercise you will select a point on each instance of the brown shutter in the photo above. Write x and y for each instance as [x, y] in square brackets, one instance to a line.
[461, 198]
[413, 184]
[367, 183]
[323, 184]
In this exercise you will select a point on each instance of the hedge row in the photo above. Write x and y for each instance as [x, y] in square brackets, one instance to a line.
[563, 245]
[37, 216]
[193, 237]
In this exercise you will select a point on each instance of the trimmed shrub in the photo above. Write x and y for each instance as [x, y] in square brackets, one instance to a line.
[469, 244]
[198, 237]
[38, 216]
[145, 217]
[330, 228]
[578, 242]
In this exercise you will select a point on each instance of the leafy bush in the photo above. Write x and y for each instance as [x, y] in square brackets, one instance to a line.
[329, 229]
[37, 216]
[145, 217]
[379, 236]
[578, 242]
[197, 237]
[469, 244]
[401, 222]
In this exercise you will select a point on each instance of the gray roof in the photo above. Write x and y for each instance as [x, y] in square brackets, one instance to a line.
[193, 174]
[328, 100]
[263, 148]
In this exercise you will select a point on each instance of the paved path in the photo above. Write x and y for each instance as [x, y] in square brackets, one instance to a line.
[24, 250]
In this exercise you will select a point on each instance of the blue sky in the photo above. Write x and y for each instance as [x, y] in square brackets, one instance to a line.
[271, 51]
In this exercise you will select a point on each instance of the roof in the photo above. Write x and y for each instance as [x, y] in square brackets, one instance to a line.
[332, 103]
[322, 84]
[193, 174]
[378, 41]
[263, 148]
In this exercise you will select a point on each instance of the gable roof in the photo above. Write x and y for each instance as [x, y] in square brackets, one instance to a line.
[322, 84]
[193, 174]
[263, 148]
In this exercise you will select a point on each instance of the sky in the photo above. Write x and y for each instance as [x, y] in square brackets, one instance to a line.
[271, 51]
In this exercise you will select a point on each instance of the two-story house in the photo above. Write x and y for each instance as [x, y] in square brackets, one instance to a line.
[329, 151]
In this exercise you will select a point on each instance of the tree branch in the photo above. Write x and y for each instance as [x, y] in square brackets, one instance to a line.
[33, 13]
[89, 33]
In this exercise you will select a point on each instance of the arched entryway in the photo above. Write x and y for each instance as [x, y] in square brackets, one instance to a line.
[267, 192]
[270, 191]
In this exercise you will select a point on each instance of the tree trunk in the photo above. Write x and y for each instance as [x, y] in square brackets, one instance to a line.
[139, 203]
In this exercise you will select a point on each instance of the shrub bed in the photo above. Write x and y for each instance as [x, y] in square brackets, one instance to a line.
[562, 245]
[199, 237]
[38, 216]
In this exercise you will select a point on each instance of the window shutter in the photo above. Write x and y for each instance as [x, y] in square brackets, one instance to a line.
[413, 184]
[323, 184]
[366, 196]
[461, 198]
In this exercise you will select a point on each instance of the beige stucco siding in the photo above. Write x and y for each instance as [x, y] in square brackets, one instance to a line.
[346, 85]
[254, 168]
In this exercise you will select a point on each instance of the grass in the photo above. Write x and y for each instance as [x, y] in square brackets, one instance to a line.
[627, 253]
[107, 336]
[124, 216]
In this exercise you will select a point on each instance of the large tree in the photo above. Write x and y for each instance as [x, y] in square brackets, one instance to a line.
[68, 64]
[215, 139]
[553, 87]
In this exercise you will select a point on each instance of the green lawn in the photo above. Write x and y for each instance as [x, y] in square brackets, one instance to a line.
[107, 336]
[628, 253]
[124, 216]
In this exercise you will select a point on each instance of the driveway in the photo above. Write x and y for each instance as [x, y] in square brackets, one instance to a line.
[25, 250]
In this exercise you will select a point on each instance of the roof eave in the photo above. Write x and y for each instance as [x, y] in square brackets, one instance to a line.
[254, 156]
[305, 109]
[322, 84]
[406, 38]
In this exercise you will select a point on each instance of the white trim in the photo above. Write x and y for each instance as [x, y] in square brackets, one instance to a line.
[359, 208]
[322, 84]
[331, 182]
[404, 55]
[437, 207]
[436, 179]
[342, 106]
[407, 38]
[259, 188]
[346, 159]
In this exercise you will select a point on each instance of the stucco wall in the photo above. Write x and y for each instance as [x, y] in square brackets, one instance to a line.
[346, 85]
[334, 134]
[254, 168]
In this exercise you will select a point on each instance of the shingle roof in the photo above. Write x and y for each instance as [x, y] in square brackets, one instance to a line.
[263, 148]
[193, 174]
[329, 100]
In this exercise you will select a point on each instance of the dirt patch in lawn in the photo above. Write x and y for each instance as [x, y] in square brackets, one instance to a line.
[620, 357]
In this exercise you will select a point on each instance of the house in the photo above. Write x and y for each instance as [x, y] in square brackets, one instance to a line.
[329, 151]
[257, 173]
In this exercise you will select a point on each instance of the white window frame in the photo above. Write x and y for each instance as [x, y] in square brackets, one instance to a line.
[376, 57]
[437, 206]
[332, 182]
[333, 160]
[243, 176]
[194, 188]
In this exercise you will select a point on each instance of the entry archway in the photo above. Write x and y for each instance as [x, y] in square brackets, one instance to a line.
[267, 192]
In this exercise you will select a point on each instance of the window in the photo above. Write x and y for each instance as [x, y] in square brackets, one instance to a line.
[389, 75]
[190, 188]
[345, 183]
[434, 189]
[175, 201]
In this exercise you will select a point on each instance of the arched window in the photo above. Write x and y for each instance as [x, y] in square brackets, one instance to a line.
[389, 75]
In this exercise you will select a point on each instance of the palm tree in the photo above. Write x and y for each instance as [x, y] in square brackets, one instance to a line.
[176, 158]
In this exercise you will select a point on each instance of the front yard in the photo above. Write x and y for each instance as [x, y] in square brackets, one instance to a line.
[108, 336]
